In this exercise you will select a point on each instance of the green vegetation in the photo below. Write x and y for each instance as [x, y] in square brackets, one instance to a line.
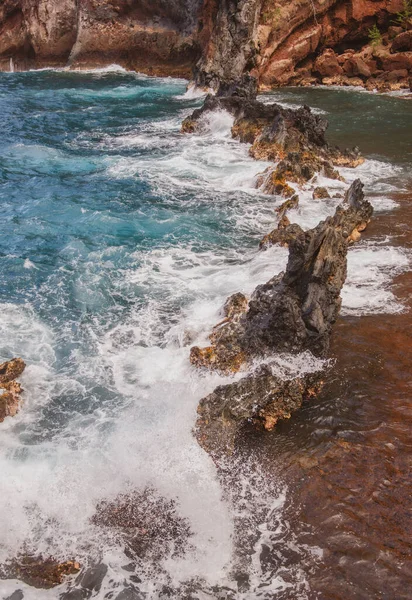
[405, 15]
[375, 36]
[271, 15]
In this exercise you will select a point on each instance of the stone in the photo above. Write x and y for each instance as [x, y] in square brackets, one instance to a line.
[282, 236]
[287, 205]
[295, 310]
[320, 193]
[38, 571]
[17, 595]
[327, 65]
[11, 370]
[10, 390]
[261, 399]
[235, 305]
[148, 524]
[402, 42]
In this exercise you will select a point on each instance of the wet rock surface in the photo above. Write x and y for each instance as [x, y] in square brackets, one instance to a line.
[38, 571]
[148, 525]
[294, 311]
[10, 389]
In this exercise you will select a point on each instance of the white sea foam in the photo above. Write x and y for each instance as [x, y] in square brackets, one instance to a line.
[139, 434]
[371, 269]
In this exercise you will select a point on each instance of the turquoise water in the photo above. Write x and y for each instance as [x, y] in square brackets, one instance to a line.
[121, 238]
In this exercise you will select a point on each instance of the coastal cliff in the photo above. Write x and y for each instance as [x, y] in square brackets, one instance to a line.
[302, 42]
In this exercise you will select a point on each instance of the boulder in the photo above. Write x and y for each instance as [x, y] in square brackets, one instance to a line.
[261, 399]
[327, 65]
[319, 193]
[402, 42]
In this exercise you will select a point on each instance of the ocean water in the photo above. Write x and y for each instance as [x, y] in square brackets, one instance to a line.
[120, 240]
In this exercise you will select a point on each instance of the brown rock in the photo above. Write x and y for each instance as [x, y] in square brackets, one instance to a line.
[326, 65]
[402, 42]
[11, 370]
[320, 193]
[395, 62]
[235, 305]
[10, 390]
[287, 205]
[37, 571]
[282, 236]
[356, 66]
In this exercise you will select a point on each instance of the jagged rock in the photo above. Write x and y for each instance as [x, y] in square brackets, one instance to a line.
[260, 398]
[282, 235]
[235, 305]
[294, 311]
[319, 193]
[296, 138]
[287, 205]
[37, 571]
[10, 390]
[11, 370]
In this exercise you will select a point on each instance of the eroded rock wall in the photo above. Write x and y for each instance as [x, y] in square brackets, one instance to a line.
[156, 37]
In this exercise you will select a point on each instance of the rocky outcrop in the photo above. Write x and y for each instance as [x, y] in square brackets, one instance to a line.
[260, 399]
[302, 42]
[229, 40]
[293, 312]
[10, 390]
[154, 37]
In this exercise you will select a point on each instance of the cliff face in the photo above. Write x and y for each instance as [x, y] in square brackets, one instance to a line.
[278, 41]
[292, 34]
[155, 37]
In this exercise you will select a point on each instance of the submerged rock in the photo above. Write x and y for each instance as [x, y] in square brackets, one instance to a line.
[260, 398]
[10, 390]
[38, 571]
[148, 524]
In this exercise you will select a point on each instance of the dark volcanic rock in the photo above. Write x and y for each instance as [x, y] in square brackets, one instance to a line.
[261, 398]
[296, 138]
[294, 311]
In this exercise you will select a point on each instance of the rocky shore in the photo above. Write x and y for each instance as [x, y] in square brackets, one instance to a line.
[295, 311]
[307, 42]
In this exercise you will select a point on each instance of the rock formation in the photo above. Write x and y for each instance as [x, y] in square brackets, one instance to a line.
[10, 390]
[277, 41]
[154, 37]
[293, 312]
[37, 571]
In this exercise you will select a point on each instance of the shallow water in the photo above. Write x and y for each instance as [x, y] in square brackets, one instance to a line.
[121, 239]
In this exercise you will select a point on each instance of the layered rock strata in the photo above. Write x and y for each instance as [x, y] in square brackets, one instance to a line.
[153, 37]
[279, 42]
